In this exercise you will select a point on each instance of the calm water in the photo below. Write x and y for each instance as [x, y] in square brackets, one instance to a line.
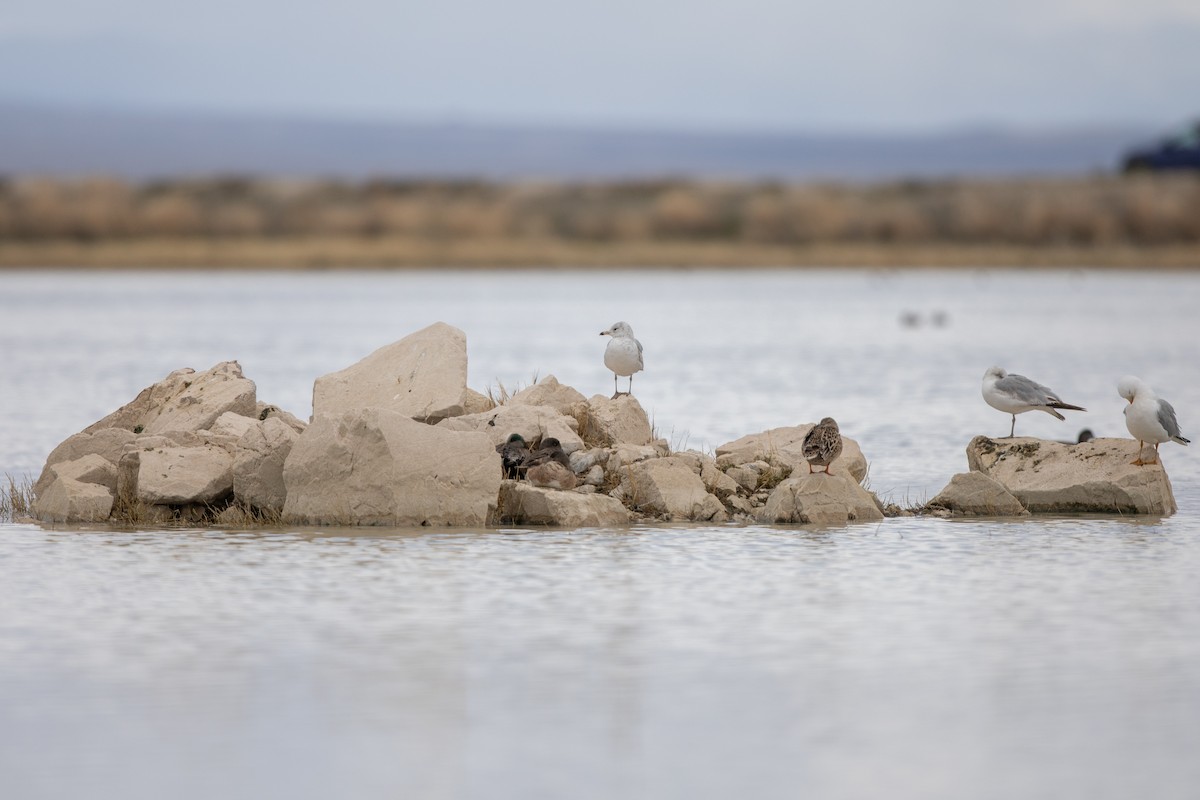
[913, 658]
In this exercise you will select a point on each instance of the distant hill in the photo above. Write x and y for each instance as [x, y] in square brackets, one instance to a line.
[138, 145]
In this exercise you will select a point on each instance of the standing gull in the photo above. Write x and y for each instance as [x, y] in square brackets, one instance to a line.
[623, 354]
[1016, 394]
[823, 444]
[1148, 418]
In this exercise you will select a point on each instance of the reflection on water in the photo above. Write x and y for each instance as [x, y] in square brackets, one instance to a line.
[916, 657]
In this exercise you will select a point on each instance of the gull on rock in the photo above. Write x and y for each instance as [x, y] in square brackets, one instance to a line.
[1016, 394]
[1148, 417]
[823, 444]
[623, 354]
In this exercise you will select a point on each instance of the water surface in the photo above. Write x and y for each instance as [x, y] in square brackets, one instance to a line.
[914, 657]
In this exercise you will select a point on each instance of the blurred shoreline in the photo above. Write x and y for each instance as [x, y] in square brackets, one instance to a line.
[1148, 221]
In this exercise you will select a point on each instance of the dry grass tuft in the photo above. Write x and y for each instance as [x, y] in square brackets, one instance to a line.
[16, 499]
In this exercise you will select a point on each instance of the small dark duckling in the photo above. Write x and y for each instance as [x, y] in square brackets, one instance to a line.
[512, 455]
[549, 450]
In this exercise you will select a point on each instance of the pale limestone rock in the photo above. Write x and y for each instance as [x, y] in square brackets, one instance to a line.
[820, 499]
[1052, 478]
[476, 403]
[745, 477]
[584, 460]
[422, 376]
[551, 475]
[534, 423]
[625, 454]
[669, 486]
[184, 474]
[522, 504]
[549, 392]
[185, 401]
[717, 482]
[612, 422]
[107, 443]
[786, 446]
[258, 460]
[92, 468]
[67, 500]
[230, 424]
[594, 476]
[374, 466]
[266, 411]
[973, 494]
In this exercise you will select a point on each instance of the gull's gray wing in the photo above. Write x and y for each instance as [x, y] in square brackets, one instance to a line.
[1026, 391]
[1166, 418]
[641, 365]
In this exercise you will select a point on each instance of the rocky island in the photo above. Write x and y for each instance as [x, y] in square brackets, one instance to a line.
[399, 439]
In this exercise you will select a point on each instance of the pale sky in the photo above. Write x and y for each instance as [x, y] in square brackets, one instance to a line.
[863, 65]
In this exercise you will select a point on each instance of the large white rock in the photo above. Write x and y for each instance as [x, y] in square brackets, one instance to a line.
[670, 486]
[549, 392]
[522, 504]
[973, 494]
[786, 446]
[185, 400]
[230, 424]
[820, 499]
[258, 460]
[108, 443]
[610, 422]
[67, 500]
[374, 466]
[532, 422]
[92, 468]
[1055, 478]
[422, 376]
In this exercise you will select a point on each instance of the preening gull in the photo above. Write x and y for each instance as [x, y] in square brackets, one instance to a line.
[823, 444]
[1148, 417]
[1016, 394]
[623, 354]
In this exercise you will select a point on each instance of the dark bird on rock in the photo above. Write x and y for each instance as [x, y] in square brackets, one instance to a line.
[512, 455]
[549, 450]
[823, 444]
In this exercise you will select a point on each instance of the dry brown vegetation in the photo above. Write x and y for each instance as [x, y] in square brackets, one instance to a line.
[250, 222]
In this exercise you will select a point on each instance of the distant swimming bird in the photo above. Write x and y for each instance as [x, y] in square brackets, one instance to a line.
[1016, 394]
[823, 444]
[1148, 418]
[623, 354]
[549, 450]
[512, 455]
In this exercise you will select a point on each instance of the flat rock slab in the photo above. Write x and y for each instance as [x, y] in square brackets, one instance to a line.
[522, 504]
[1091, 477]
[974, 494]
[184, 475]
[786, 446]
[820, 499]
[423, 376]
[379, 467]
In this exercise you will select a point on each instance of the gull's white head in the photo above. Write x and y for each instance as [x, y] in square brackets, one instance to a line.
[1129, 386]
[619, 329]
[995, 373]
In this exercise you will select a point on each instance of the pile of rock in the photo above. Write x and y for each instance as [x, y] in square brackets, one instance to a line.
[1020, 476]
[399, 439]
